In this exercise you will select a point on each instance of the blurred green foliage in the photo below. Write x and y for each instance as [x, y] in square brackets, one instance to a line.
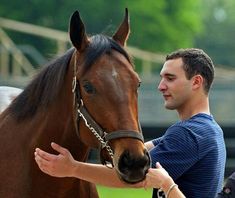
[158, 26]
[165, 25]
[218, 37]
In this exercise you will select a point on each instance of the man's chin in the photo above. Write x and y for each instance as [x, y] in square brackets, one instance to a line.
[170, 107]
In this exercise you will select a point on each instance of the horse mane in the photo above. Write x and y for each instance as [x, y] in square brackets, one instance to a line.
[45, 87]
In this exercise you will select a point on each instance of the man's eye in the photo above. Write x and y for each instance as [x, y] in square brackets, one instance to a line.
[170, 79]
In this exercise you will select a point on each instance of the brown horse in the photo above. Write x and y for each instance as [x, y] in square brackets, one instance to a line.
[85, 98]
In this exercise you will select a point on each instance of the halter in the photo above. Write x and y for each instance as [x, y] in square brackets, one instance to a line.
[102, 136]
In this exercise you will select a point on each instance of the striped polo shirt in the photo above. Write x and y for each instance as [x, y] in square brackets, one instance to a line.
[193, 153]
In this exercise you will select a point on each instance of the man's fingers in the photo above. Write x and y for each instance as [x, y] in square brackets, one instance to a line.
[44, 155]
[158, 165]
[42, 163]
[59, 148]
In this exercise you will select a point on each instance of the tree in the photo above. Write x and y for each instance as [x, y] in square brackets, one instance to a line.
[217, 38]
[165, 25]
[161, 25]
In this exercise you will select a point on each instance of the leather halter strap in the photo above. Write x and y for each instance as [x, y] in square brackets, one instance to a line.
[123, 134]
[112, 135]
[106, 136]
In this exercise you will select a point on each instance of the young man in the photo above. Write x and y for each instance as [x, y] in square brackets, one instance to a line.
[192, 150]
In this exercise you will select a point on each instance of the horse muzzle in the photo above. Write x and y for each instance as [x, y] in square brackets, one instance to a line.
[133, 169]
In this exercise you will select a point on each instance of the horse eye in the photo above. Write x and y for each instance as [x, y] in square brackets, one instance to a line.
[89, 87]
[139, 84]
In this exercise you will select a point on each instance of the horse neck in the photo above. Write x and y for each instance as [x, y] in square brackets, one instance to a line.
[63, 114]
[57, 119]
[62, 108]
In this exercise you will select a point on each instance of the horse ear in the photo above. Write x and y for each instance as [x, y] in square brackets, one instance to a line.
[123, 31]
[77, 32]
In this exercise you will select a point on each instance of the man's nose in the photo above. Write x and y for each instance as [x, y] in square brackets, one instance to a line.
[161, 86]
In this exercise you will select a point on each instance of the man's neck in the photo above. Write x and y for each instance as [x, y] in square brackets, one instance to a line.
[194, 108]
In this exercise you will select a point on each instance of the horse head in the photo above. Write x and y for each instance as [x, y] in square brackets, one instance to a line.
[105, 85]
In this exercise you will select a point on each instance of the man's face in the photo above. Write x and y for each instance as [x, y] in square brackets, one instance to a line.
[174, 86]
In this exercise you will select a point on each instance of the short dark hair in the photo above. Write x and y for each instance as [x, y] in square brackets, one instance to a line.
[195, 61]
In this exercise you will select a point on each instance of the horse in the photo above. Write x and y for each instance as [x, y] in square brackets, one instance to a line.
[83, 99]
[7, 94]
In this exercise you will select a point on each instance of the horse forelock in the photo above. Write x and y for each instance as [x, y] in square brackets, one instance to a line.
[43, 89]
[99, 45]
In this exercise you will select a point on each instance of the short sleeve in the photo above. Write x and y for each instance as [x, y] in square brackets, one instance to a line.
[156, 141]
[176, 151]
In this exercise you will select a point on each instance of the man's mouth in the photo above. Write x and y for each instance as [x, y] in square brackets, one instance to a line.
[166, 96]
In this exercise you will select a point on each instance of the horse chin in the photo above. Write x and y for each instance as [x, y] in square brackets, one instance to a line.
[132, 169]
[132, 178]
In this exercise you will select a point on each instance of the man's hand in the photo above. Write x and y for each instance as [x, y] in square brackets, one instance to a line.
[158, 178]
[61, 165]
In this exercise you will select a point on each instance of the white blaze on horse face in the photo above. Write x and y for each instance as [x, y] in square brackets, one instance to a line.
[117, 86]
[114, 73]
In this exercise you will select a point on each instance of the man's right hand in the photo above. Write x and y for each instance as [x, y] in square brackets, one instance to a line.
[60, 165]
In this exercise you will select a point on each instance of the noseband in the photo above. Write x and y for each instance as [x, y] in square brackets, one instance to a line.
[102, 136]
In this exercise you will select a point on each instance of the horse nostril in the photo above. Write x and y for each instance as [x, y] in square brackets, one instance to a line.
[132, 168]
[129, 162]
[126, 160]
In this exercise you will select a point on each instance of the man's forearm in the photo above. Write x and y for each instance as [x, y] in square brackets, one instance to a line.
[98, 174]
[64, 165]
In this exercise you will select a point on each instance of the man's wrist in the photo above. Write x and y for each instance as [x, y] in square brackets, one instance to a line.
[170, 189]
[75, 169]
[167, 184]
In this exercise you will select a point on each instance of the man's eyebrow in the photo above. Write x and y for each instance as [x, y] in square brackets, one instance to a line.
[168, 75]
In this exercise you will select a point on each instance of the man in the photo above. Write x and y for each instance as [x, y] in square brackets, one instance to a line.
[192, 150]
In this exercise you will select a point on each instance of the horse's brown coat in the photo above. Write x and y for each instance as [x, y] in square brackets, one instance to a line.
[45, 112]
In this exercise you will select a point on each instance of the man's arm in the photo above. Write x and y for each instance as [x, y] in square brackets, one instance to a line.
[149, 145]
[63, 165]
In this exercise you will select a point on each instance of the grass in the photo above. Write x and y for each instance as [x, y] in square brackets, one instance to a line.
[105, 192]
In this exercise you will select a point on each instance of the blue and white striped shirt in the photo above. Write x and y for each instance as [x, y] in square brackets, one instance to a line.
[193, 153]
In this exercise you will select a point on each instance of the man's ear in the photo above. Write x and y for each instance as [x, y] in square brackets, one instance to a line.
[197, 81]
